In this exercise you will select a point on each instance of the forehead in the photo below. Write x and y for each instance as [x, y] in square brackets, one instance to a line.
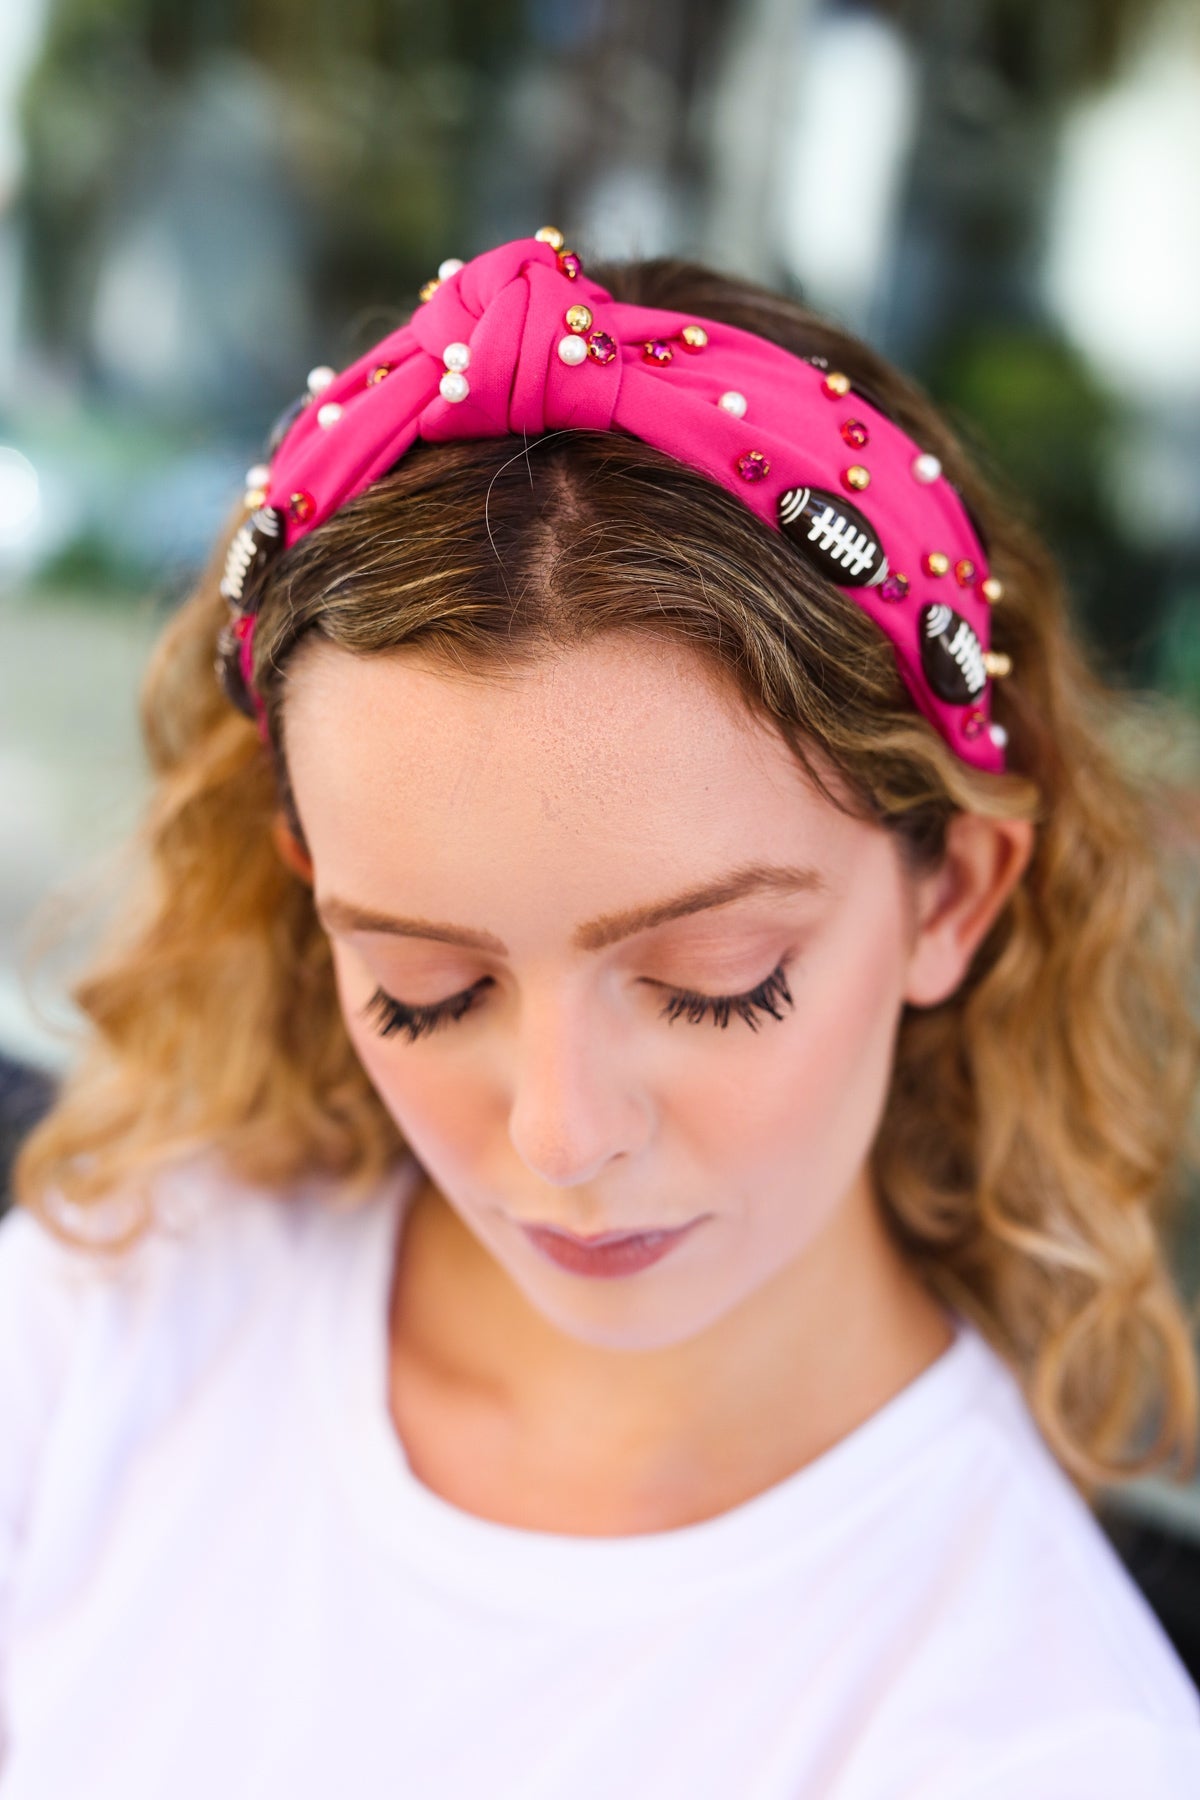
[620, 743]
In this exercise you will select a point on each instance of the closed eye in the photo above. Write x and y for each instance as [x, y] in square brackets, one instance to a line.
[392, 1015]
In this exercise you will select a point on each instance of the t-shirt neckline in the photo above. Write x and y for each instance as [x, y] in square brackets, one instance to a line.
[541, 1571]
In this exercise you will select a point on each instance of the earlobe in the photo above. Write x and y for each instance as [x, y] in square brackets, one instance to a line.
[290, 850]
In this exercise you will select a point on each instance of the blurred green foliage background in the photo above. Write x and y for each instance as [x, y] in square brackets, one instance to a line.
[199, 203]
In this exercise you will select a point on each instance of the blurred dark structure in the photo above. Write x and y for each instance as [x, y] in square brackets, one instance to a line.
[25, 1094]
[1166, 1566]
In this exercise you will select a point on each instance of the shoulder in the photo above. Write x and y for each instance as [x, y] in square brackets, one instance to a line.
[94, 1340]
[200, 1220]
[215, 1246]
[1024, 1659]
[1103, 1756]
[1053, 1643]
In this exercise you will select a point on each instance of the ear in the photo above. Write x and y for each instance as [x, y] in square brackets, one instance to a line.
[958, 903]
[290, 850]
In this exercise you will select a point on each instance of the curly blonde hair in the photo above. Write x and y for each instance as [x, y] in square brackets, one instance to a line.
[1039, 1136]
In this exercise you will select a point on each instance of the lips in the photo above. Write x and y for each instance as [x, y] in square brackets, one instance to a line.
[607, 1237]
[608, 1253]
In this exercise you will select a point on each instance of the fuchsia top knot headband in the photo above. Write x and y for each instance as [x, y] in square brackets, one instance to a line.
[519, 341]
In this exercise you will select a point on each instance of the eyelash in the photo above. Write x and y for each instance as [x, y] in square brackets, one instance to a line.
[416, 1020]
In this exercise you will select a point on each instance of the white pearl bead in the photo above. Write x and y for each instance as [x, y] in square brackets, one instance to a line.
[451, 266]
[258, 476]
[454, 386]
[572, 349]
[926, 467]
[998, 735]
[457, 356]
[319, 378]
[733, 402]
[329, 414]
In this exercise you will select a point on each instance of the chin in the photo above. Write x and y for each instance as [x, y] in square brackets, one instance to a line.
[623, 1315]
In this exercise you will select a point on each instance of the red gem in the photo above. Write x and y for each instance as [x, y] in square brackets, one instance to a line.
[964, 572]
[243, 625]
[856, 433]
[301, 506]
[657, 350]
[894, 587]
[753, 465]
[601, 346]
[569, 263]
[974, 722]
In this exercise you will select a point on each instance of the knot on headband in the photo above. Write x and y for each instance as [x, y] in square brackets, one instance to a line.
[519, 341]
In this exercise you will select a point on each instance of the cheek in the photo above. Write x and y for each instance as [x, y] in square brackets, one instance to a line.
[441, 1118]
[814, 1086]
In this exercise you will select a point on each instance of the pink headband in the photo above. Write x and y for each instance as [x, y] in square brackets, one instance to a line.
[519, 341]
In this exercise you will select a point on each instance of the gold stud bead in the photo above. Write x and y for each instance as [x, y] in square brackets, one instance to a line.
[857, 477]
[991, 589]
[936, 563]
[997, 663]
[694, 337]
[578, 318]
[430, 288]
[550, 234]
[836, 385]
[255, 497]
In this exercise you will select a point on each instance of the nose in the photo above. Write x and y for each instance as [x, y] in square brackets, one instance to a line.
[575, 1104]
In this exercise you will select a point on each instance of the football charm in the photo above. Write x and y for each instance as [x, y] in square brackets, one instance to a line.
[834, 534]
[251, 548]
[951, 655]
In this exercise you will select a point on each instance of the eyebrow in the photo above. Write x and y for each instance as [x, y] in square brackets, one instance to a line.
[596, 934]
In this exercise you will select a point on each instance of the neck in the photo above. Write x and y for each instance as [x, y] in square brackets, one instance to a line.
[773, 1384]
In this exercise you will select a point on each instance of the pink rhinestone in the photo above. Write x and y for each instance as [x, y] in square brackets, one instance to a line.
[856, 433]
[974, 722]
[753, 466]
[894, 587]
[569, 263]
[601, 346]
[243, 625]
[657, 350]
[964, 572]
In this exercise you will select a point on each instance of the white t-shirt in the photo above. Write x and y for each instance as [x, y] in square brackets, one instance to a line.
[219, 1576]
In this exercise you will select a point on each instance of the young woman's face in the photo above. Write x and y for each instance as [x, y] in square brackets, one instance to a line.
[547, 818]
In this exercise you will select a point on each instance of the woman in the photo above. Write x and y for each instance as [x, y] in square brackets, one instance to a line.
[639, 838]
